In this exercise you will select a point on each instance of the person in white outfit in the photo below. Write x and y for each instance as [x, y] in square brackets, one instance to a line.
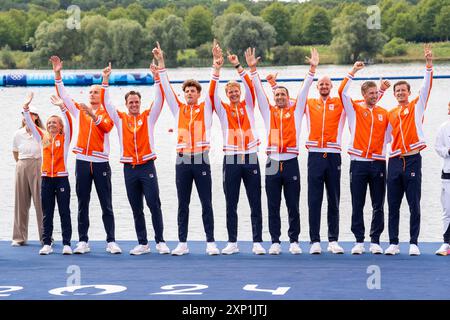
[27, 154]
[442, 147]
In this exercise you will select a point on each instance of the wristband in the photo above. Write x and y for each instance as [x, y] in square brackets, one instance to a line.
[237, 66]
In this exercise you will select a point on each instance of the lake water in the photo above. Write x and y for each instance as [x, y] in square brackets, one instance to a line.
[431, 228]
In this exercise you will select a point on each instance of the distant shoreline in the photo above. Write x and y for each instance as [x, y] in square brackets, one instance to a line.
[414, 53]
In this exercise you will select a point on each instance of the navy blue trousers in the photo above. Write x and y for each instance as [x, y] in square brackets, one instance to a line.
[237, 168]
[283, 175]
[372, 173]
[404, 177]
[100, 173]
[190, 169]
[324, 169]
[141, 181]
[56, 188]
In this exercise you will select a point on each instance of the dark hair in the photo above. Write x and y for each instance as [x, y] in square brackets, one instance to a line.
[37, 122]
[134, 93]
[192, 83]
[366, 85]
[282, 87]
[398, 83]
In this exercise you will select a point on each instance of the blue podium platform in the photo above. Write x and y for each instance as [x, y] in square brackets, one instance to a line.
[24, 275]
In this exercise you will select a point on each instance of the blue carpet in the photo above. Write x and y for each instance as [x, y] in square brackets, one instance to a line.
[203, 277]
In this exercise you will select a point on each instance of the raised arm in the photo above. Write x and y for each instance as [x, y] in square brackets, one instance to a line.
[60, 89]
[155, 109]
[106, 100]
[214, 84]
[303, 92]
[384, 85]
[344, 92]
[35, 130]
[261, 97]
[168, 91]
[57, 101]
[245, 78]
[427, 82]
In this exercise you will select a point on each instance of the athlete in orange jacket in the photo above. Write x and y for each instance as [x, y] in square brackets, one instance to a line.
[405, 163]
[92, 153]
[193, 123]
[55, 142]
[137, 153]
[283, 127]
[240, 139]
[369, 131]
[325, 118]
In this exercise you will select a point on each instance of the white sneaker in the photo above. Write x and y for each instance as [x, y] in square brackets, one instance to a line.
[275, 248]
[443, 250]
[258, 248]
[315, 248]
[230, 248]
[82, 248]
[67, 250]
[392, 250]
[358, 248]
[17, 243]
[375, 248]
[334, 247]
[414, 250]
[113, 248]
[294, 248]
[162, 248]
[181, 249]
[140, 249]
[211, 249]
[46, 249]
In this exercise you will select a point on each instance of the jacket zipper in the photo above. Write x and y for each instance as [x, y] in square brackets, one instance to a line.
[370, 137]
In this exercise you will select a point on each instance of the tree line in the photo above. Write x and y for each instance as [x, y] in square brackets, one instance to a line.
[123, 30]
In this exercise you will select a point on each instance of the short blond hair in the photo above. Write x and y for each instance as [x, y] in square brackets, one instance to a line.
[231, 84]
[367, 85]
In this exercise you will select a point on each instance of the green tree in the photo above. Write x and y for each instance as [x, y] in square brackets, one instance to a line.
[7, 59]
[427, 11]
[50, 5]
[317, 27]
[60, 14]
[5, 36]
[280, 54]
[352, 40]
[404, 26]
[157, 17]
[204, 50]
[442, 28]
[54, 38]
[298, 23]
[235, 7]
[240, 31]
[223, 23]
[34, 17]
[126, 43]
[96, 40]
[390, 10]
[13, 28]
[278, 16]
[161, 14]
[172, 35]
[136, 12]
[395, 47]
[118, 13]
[198, 22]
